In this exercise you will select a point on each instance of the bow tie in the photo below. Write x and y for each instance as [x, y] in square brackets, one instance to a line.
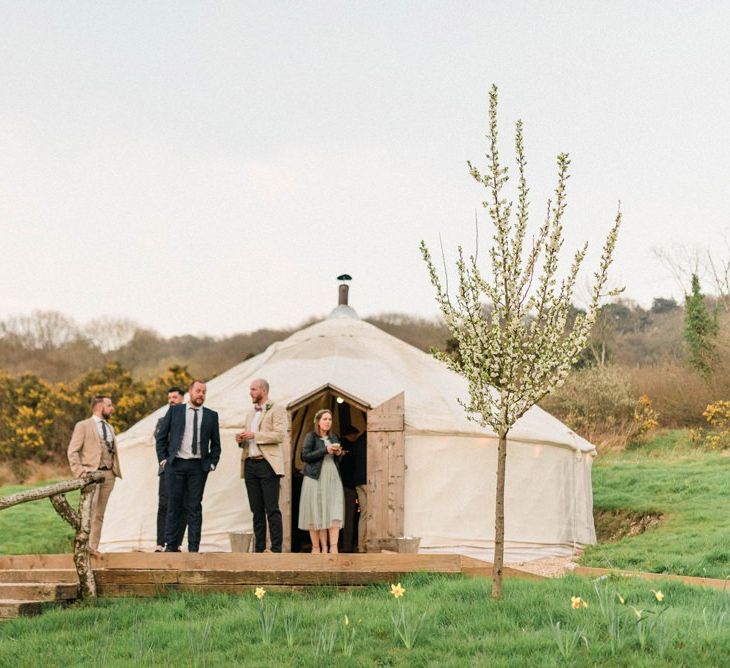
[258, 409]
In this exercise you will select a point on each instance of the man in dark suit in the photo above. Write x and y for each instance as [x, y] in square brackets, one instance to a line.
[189, 447]
[175, 395]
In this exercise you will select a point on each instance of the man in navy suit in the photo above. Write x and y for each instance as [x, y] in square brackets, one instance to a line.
[188, 447]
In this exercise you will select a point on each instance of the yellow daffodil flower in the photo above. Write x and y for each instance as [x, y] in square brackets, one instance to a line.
[658, 594]
[620, 598]
[397, 590]
[576, 602]
[347, 621]
[259, 593]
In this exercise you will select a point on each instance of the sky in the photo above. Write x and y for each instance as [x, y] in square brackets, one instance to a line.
[212, 167]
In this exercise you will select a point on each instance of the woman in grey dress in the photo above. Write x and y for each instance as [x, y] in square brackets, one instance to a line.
[322, 503]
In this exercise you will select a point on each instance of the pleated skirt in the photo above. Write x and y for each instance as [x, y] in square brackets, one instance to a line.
[322, 503]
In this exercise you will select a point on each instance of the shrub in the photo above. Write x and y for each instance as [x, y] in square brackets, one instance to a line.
[601, 404]
[717, 415]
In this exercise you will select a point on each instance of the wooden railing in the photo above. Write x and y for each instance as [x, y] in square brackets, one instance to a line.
[80, 520]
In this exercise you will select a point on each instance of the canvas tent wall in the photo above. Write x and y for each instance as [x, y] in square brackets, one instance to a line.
[447, 463]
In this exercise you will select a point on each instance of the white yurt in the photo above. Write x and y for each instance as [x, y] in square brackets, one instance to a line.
[431, 472]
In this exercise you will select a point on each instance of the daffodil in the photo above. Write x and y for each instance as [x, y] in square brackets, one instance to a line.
[638, 613]
[397, 590]
[576, 602]
[259, 593]
[347, 621]
[620, 599]
[658, 594]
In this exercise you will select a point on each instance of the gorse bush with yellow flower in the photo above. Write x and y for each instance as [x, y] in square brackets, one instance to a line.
[717, 415]
[37, 417]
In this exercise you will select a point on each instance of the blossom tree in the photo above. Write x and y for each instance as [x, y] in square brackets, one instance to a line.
[510, 318]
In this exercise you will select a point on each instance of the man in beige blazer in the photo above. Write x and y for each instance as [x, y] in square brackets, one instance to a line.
[263, 441]
[93, 447]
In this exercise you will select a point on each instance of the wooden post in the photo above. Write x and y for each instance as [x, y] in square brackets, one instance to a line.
[82, 560]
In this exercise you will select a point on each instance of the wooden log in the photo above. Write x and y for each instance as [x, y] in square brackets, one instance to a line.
[64, 509]
[49, 490]
[82, 561]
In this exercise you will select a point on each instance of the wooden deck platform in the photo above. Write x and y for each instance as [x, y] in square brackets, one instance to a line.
[145, 574]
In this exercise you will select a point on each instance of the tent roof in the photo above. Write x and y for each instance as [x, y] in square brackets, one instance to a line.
[372, 366]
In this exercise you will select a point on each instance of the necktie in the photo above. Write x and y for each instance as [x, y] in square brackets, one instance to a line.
[258, 409]
[105, 433]
[195, 431]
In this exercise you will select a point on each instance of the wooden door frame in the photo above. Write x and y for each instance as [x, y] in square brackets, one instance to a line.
[296, 404]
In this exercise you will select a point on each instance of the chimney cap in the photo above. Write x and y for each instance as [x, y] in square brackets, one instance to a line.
[343, 309]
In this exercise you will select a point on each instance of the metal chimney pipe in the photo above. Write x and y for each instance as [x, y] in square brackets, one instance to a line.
[344, 289]
[343, 294]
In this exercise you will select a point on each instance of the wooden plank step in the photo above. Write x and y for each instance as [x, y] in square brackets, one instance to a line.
[9, 561]
[10, 609]
[229, 561]
[57, 575]
[245, 577]
[38, 591]
[440, 563]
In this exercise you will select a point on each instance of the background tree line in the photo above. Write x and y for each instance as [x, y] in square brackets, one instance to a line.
[50, 366]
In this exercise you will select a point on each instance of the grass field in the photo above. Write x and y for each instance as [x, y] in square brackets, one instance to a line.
[690, 487]
[463, 626]
[34, 528]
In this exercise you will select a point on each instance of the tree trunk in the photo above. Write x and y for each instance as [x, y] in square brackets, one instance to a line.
[499, 518]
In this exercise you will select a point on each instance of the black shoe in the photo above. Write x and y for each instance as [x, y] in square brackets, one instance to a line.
[173, 549]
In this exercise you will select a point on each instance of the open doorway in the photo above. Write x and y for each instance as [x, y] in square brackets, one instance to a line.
[348, 413]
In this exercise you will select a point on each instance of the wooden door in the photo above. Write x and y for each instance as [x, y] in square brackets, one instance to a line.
[386, 473]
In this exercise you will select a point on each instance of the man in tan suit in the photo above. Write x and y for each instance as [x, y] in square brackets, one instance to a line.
[263, 442]
[93, 447]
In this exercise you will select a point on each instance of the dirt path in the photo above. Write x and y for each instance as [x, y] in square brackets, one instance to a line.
[552, 567]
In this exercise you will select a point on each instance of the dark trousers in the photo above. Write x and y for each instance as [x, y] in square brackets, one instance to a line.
[262, 487]
[162, 513]
[185, 486]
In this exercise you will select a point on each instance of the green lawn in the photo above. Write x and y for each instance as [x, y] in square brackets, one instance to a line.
[34, 527]
[463, 627]
[690, 487]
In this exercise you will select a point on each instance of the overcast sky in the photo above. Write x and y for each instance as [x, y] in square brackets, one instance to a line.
[211, 167]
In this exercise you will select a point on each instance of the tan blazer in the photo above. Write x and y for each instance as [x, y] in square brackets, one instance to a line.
[84, 450]
[271, 438]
